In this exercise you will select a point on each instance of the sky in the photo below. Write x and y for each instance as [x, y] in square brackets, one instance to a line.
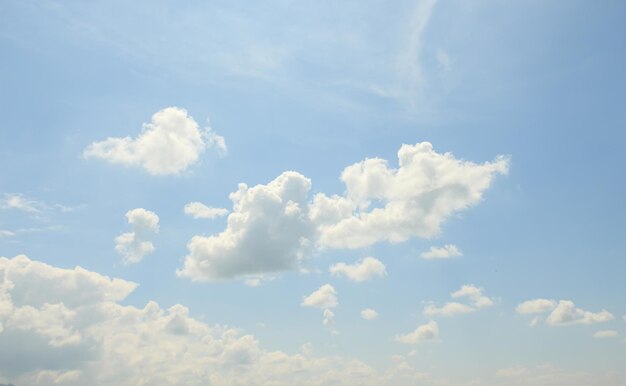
[421, 192]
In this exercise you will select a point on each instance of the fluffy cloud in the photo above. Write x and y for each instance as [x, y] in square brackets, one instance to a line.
[448, 250]
[276, 227]
[199, 210]
[474, 296]
[562, 313]
[369, 314]
[410, 201]
[323, 297]
[138, 243]
[566, 313]
[536, 306]
[66, 327]
[170, 144]
[606, 334]
[362, 270]
[268, 231]
[428, 332]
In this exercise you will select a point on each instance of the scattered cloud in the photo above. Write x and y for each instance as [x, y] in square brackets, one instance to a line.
[323, 297]
[369, 314]
[138, 243]
[428, 332]
[199, 210]
[276, 227]
[67, 327]
[5, 233]
[448, 250]
[268, 231]
[474, 296]
[411, 201]
[362, 270]
[606, 334]
[170, 144]
[566, 313]
[536, 306]
[21, 203]
[562, 313]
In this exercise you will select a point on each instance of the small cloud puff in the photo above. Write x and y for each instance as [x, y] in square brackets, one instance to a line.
[369, 314]
[563, 313]
[199, 210]
[138, 243]
[362, 270]
[170, 144]
[428, 332]
[448, 250]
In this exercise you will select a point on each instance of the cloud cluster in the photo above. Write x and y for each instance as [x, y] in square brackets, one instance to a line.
[276, 227]
[562, 313]
[199, 210]
[66, 327]
[362, 270]
[448, 250]
[170, 144]
[138, 243]
[475, 301]
[428, 332]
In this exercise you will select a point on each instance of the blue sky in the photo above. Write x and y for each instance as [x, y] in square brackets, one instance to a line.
[522, 102]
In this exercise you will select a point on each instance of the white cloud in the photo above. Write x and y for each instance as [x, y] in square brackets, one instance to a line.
[362, 270]
[276, 227]
[199, 210]
[369, 314]
[19, 202]
[566, 313]
[606, 334]
[5, 233]
[448, 309]
[448, 250]
[410, 201]
[66, 327]
[428, 332]
[138, 243]
[267, 231]
[329, 317]
[512, 372]
[323, 297]
[536, 306]
[170, 144]
[472, 293]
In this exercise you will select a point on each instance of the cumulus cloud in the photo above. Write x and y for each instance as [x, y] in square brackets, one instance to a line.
[323, 297]
[362, 270]
[276, 227]
[413, 200]
[536, 306]
[267, 231]
[66, 327]
[138, 243]
[566, 313]
[475, 300]
[199, 210]
[448, 250]
[606, 334]
[170, 144]
[369, 314]
[428, 332]
[562, 313]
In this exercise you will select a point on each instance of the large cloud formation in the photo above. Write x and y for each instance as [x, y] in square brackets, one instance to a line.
[169, 145]
[275, 227]
[66, 327]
